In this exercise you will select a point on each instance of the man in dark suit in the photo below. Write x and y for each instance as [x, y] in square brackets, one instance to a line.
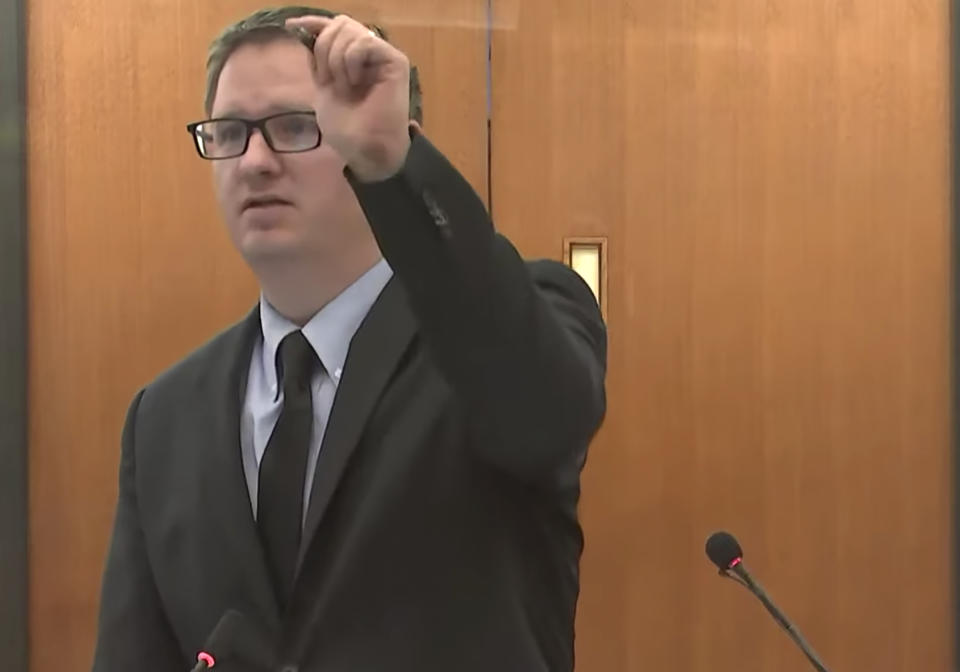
[379, 467]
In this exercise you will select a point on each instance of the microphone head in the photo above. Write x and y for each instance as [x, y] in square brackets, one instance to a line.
[723, 550]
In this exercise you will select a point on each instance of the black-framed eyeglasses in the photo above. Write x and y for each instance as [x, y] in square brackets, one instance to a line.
[229, 137]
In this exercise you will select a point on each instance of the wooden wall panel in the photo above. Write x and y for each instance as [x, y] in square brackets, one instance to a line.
[129, 265]
[773, 177]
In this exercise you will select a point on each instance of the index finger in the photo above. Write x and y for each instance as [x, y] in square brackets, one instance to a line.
[312, 24]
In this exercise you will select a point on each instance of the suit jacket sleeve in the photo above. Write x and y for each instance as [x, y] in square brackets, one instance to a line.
[523, 345]
[133, 632]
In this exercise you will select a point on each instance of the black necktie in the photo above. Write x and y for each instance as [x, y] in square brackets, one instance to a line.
[284, 464]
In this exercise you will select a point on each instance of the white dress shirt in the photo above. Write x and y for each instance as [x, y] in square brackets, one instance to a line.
[329, 332]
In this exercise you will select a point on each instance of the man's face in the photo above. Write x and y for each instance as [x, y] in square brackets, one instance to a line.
[278, 205]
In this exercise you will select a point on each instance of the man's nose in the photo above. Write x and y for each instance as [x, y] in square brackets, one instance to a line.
[259, 158]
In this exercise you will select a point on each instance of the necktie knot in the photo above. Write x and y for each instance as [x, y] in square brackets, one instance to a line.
[298, 361]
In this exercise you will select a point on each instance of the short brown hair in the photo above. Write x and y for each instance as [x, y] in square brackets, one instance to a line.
[266, 25]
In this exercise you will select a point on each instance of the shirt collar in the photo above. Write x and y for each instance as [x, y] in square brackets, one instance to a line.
[330, 331]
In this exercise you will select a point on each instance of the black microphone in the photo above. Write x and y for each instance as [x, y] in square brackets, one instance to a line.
[724, 551]
[234, 640]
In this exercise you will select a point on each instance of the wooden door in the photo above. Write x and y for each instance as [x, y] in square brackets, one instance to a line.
[772, 177]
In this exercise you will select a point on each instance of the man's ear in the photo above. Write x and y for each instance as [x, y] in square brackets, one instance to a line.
[415, 128]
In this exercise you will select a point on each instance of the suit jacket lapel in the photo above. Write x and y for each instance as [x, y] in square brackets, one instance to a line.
[234, 527]
[374, 353]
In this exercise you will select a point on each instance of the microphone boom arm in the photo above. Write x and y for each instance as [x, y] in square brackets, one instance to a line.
[739, 572]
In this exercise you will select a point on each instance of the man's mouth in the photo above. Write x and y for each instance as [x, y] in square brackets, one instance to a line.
[263, 202]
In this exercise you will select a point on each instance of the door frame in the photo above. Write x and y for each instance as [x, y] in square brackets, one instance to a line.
[13, 339]
[954, 69]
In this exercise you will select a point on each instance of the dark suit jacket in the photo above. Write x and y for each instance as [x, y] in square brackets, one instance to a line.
[442, 531]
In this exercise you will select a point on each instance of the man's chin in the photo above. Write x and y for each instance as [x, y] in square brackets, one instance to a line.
[262, 246]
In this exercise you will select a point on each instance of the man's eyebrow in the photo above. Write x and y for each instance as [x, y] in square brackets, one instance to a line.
[238, 113]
